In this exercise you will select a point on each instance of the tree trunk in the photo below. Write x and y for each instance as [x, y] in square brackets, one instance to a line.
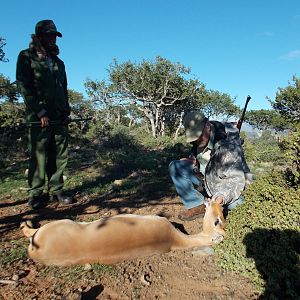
[152, 123]
[178, 128]
[131, 122]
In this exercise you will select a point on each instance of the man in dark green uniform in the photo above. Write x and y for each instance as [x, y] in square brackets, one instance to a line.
[42, 81]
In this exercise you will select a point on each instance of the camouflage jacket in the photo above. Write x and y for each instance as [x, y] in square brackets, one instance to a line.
[44, 90]
[225, 171]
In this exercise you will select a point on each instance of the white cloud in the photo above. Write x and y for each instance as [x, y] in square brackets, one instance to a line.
[294, 54]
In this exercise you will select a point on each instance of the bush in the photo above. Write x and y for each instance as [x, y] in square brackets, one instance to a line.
[263, 238]
[291, 147]
[263, 149]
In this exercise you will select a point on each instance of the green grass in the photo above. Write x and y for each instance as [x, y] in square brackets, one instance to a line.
[78, 272]
[15, 250]
[13, 180]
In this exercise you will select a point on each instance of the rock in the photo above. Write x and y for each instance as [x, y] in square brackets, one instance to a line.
[87, 267]
[203, 251]
[15, 277]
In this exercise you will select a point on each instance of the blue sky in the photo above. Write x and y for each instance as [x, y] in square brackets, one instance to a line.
[233, 46]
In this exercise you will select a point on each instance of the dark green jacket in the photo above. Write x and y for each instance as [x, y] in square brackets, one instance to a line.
[43, 90]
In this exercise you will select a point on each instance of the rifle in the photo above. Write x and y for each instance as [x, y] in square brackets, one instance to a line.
[52, 123]
[241, 120]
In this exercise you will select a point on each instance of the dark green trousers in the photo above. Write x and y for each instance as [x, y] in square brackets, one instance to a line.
[48, 148]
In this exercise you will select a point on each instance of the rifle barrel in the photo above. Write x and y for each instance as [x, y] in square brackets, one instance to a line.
[244, 112]
[55, 122]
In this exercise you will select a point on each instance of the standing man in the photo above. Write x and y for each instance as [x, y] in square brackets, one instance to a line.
[42, 81]
[216, 165]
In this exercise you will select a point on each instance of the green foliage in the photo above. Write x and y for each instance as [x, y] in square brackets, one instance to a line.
[10, 115]
[156, 89]
[11, 135]
[265, 119]
[11, 112]
[81, 109]
[291, 147]
[263, 149]
[13, 251]
[287, 101]
[99, 129]
[156, 93]
[8, 90]
[263, 238]
[216, 104]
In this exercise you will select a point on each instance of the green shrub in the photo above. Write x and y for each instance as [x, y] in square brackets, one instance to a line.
[263, 149]
[263, 238]
[291, 147]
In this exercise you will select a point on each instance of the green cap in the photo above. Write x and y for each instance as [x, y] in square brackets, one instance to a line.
[46, 26]
[193, 122]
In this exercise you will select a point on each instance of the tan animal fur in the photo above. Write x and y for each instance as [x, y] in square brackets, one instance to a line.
[117, 238]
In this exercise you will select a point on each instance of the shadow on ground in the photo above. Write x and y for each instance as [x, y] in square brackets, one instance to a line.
[143, 175]
[276, 255]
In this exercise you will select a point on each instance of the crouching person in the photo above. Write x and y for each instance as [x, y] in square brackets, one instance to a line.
[216, 167]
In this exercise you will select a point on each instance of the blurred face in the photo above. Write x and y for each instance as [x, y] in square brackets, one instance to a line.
[203, 139]
[48, 40]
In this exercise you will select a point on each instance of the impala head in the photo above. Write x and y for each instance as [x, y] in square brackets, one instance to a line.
[214, 222]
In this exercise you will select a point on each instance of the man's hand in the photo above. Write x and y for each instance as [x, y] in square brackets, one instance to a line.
[191, 158]
[44, 121]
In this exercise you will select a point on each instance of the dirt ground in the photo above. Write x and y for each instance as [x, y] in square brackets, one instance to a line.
[174, 275]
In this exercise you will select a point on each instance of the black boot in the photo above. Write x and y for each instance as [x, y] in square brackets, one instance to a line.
[37, 202]
[61, 198]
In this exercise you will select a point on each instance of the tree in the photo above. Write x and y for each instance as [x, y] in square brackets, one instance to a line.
[265, 119]
[11, 111]
[105, 100]
[80, 108]
[8, 90]
[287, 101]
[218, 105]
[156, 93]
[155, 88]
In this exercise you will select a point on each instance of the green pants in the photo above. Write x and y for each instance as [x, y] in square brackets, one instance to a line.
[48, 149]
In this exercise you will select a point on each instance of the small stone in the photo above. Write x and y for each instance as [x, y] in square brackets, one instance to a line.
[15, 277]
[87, 267]
[203, 251]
